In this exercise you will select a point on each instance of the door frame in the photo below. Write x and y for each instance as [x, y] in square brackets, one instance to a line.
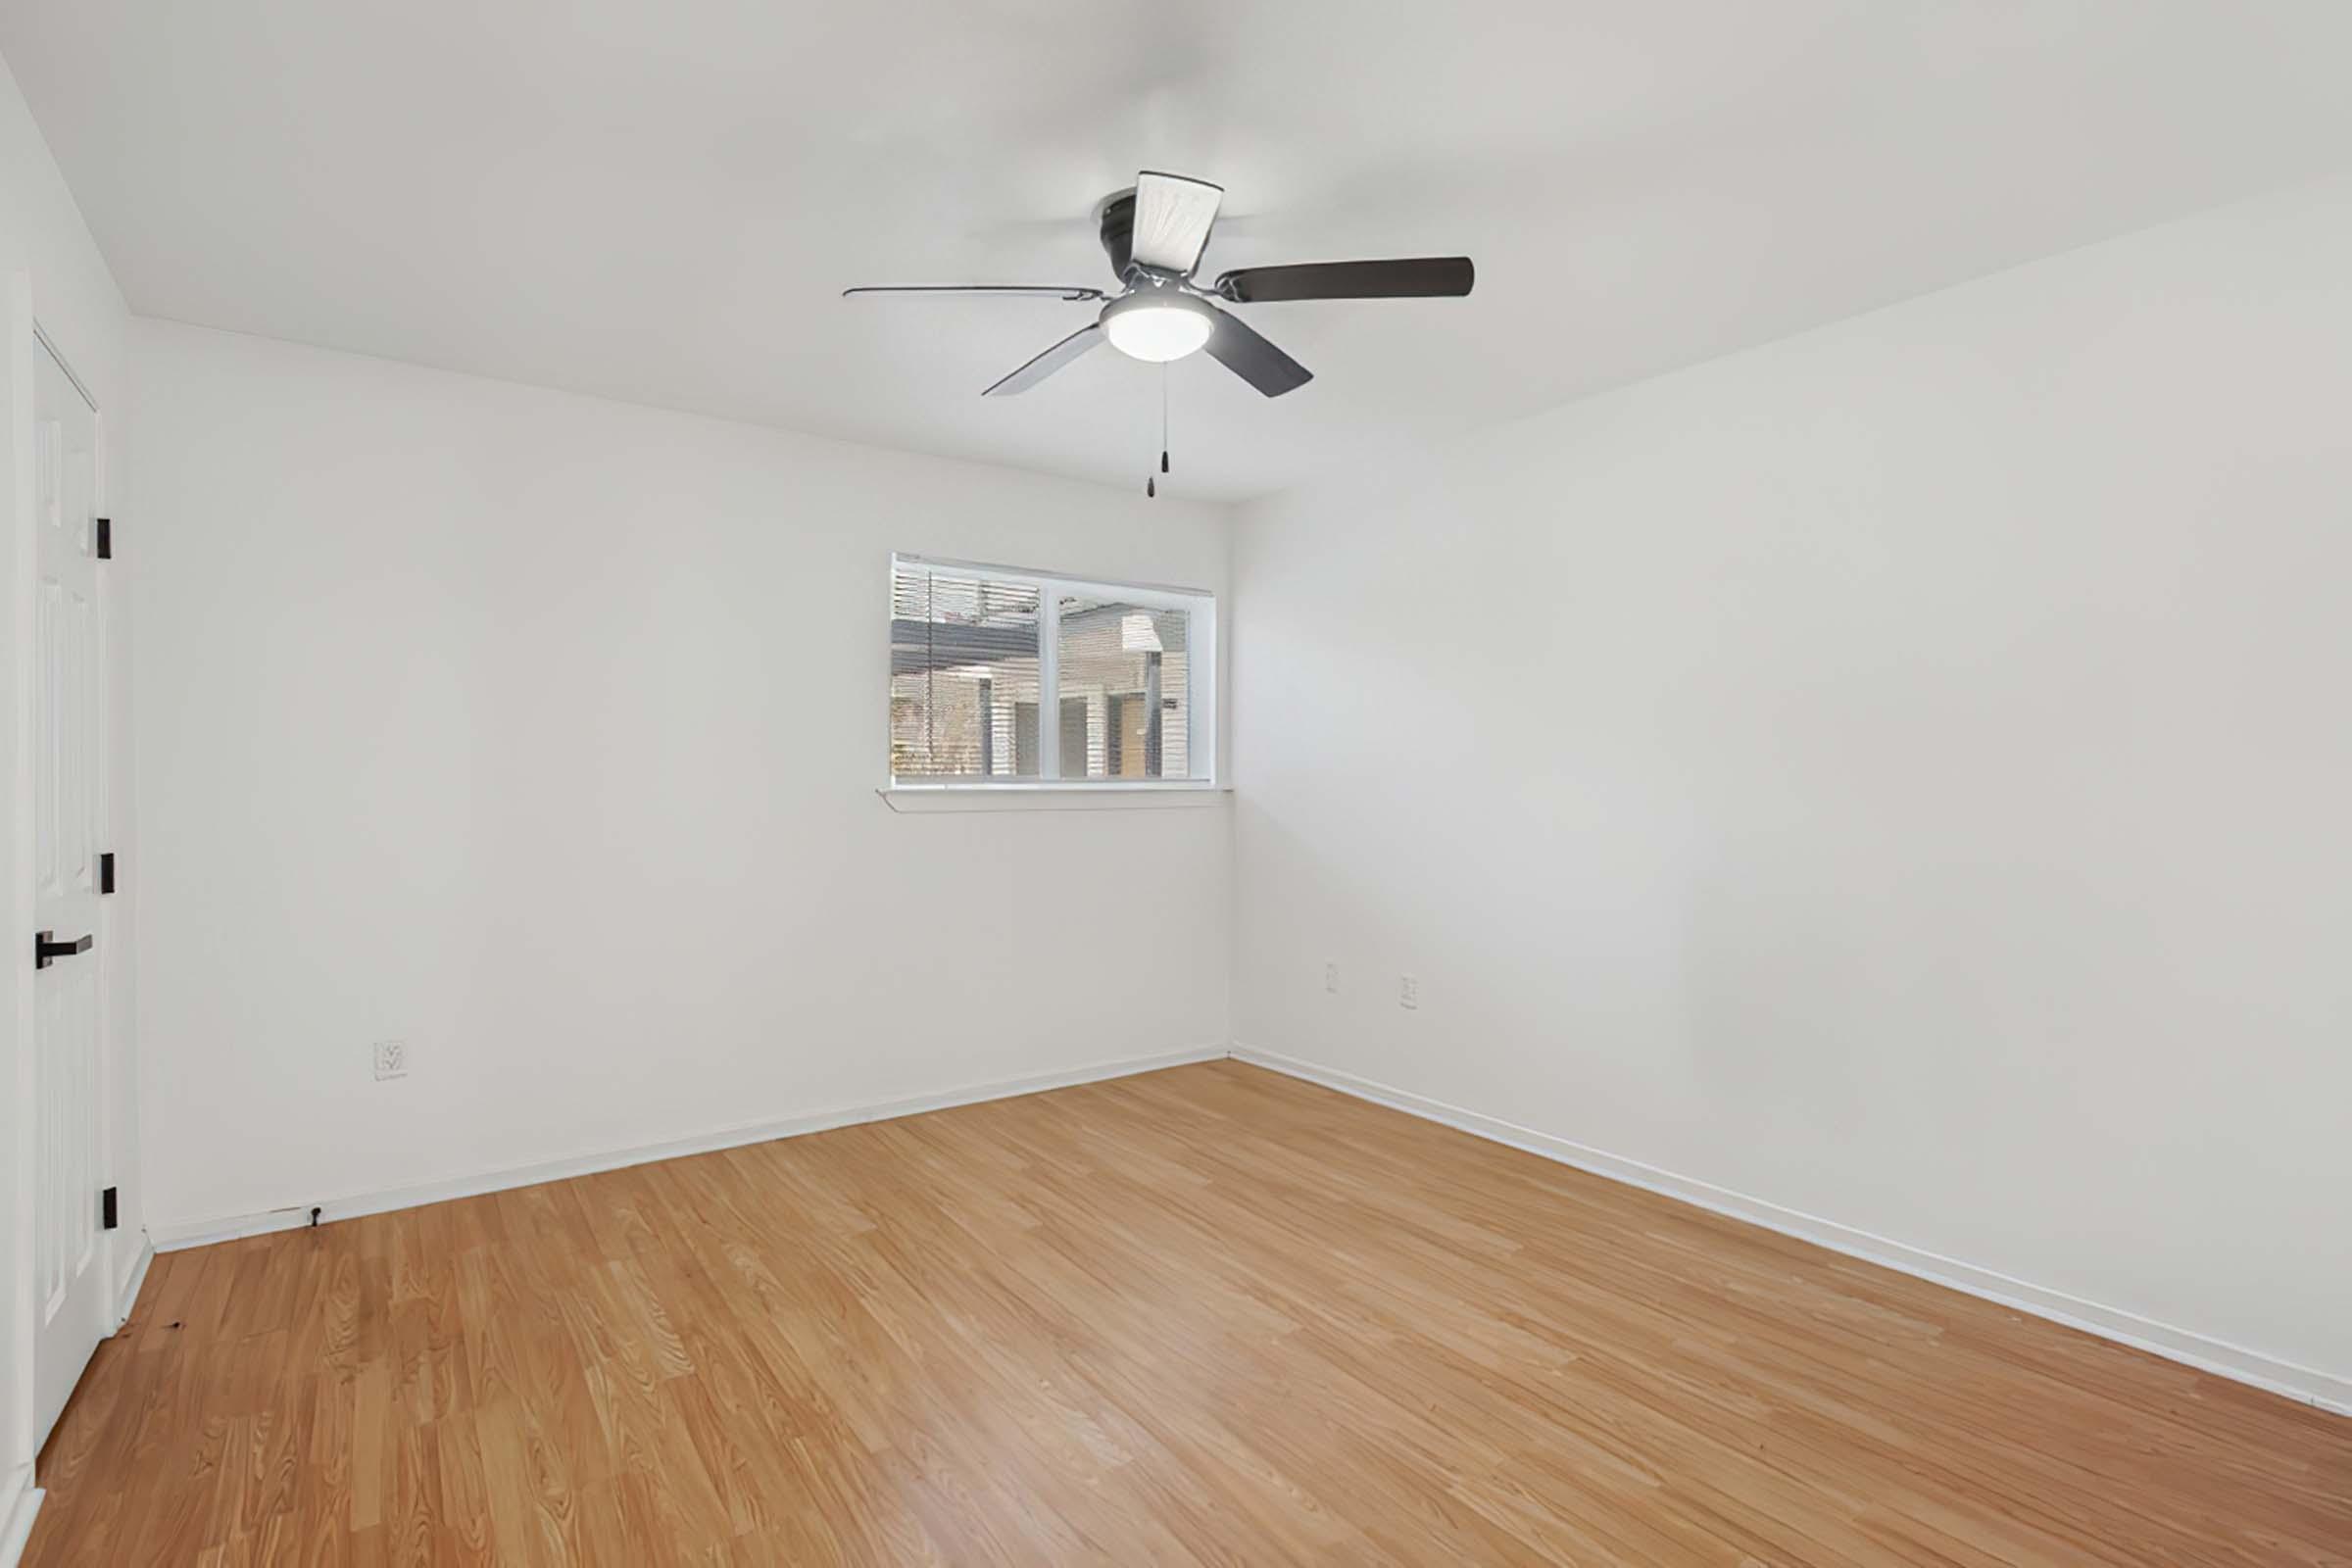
[18, 1498]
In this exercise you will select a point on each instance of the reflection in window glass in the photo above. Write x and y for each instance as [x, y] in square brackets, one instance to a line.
[963, 676]
[1125, 708]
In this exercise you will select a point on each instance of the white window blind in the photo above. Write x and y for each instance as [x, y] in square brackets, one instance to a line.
[1003, 677]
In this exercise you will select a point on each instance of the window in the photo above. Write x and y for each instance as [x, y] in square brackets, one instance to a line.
[979, 656]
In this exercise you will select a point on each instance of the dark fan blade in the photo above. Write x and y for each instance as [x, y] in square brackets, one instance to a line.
[1172, 220]
[1034, 291]
[1046, 363]
[1420, 278]
[1240, 348]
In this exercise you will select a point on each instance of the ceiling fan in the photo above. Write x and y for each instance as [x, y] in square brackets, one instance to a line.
[1156, 234]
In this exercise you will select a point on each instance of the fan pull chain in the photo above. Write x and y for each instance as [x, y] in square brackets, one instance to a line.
[1151, 483]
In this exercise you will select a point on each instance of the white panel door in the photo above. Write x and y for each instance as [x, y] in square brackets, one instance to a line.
[69, 1274]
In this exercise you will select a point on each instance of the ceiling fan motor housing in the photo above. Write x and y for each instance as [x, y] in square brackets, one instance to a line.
[1118, 232]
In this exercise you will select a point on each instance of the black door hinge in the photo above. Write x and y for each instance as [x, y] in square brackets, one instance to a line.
[106, 872]
[106, 538]
[105, 1209]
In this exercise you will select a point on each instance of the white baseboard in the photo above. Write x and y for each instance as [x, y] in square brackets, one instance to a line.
[19, 1503]
[2308, 1385]
[175, 1235]
[129, 1296]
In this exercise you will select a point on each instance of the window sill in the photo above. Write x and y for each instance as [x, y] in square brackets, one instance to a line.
[921, 798]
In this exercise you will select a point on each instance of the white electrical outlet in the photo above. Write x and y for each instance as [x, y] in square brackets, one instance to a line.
[1331, 978]
[391, 1059]
[1408, 991]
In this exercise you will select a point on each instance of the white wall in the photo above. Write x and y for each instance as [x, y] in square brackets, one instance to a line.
[47, 254]
[1900, 773]
[544, 733]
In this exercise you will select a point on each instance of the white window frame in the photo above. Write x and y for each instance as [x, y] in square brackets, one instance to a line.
[1201, 677]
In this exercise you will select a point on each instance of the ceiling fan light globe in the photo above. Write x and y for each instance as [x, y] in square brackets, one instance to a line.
[1157, 328]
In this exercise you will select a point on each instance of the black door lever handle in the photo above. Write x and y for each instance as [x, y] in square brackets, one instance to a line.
[46, 951]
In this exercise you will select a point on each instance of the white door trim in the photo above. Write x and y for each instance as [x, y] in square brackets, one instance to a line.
[20, 1500]
[15, 1270]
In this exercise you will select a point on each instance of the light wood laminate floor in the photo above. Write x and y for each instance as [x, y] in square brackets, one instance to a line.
[1206, 1315]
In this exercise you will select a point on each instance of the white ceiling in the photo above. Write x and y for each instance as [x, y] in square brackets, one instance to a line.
[662, 201]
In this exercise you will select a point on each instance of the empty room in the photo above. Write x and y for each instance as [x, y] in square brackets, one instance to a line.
[1538, 782]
